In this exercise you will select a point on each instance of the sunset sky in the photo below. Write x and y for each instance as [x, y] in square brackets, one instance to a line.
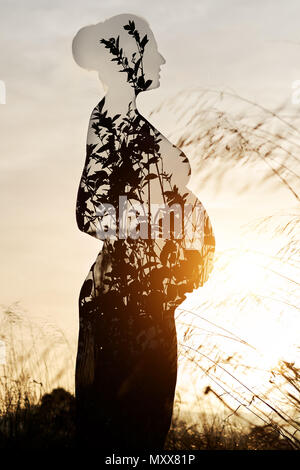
[251, 48]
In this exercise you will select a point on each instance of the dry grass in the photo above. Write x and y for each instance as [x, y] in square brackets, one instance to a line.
[32, 417]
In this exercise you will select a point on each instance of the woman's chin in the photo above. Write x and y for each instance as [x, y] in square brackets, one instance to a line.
[154, 85]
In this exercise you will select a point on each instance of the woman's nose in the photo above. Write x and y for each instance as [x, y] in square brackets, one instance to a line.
[162, 59]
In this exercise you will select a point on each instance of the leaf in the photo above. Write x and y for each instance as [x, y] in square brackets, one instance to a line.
[86, 289]
[131, 195]
[144, 41]
[147, 84]
[148, 265]
[171, 291]
[141, 82]
[103, 148]
[153, 160]
[209, 240]
[86, 227]
[98, 175]
[151, 176]
[136, 66]
[168, 248]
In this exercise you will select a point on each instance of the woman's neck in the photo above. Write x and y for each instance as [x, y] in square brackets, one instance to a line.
[119, 102]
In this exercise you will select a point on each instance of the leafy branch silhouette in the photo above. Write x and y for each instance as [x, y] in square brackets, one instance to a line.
[148, 274]
[135, 74]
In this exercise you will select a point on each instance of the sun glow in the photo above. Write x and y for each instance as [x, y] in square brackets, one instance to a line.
[244, 324]
[246, 272]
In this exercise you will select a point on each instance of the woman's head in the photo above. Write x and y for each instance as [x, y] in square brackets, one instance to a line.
[122, 49]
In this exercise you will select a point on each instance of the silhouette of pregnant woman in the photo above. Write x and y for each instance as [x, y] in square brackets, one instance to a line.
[133, 197]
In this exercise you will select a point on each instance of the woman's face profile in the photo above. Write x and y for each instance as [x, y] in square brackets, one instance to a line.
[153, 67]
[122, 50]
